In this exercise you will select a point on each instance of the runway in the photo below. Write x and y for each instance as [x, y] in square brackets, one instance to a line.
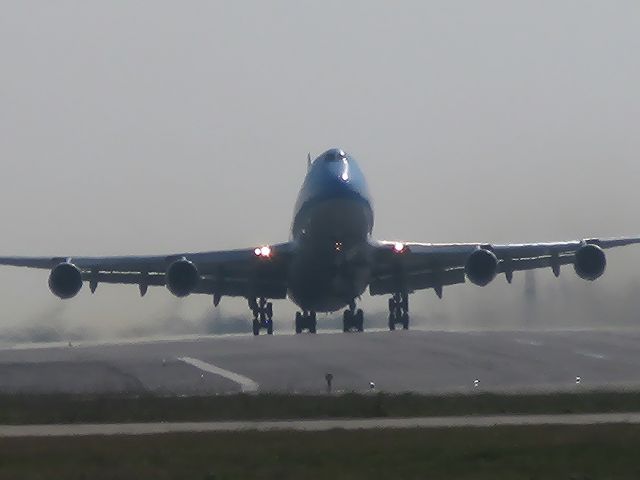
[418, 361]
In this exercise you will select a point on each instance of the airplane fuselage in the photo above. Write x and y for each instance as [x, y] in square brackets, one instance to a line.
[332, 222]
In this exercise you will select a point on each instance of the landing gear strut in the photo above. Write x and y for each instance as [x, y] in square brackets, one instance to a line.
[262, 315]
[306, 321]
[353, 319]
[399, 311]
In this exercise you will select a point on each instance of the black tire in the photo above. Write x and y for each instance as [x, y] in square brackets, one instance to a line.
[346, 321]
[405, 321]
[405, 303]
[269, 327]
[392, 322]
[359, 320]
[298, 322]
[312, 322]
[269, 309]
[392, 305]
[256, 326]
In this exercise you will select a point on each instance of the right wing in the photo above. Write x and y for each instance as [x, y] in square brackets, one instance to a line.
[238, 273]
[409, 267]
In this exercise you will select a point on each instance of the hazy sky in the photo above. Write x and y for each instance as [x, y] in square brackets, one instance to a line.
[156, 126]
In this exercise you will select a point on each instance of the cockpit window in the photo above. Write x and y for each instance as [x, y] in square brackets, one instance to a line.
[334, 156]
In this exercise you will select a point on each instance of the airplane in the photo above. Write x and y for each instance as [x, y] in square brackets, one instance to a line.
[329, 261]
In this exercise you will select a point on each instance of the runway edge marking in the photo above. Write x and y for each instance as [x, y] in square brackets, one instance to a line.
[246, 384]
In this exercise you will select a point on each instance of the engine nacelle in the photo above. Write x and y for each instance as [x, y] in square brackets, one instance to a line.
[590, 262]
[481, 267]
[182, 277]
[65, 280]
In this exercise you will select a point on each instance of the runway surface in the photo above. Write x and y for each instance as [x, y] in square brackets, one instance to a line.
[156, 428]
[420, 361]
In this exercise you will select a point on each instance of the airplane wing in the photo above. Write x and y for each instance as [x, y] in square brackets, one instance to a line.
[246, 273]
[407, 267]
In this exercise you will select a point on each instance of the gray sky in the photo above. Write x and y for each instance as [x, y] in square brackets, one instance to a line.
[156, 126]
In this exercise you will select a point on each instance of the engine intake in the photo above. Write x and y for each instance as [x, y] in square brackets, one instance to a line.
[590, 262]
[481, 267]
[65, 280]
[182, 277]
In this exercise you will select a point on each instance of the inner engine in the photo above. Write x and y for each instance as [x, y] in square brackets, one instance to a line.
[481, 267]
[65, 280]
[590, 262]
[182, 277]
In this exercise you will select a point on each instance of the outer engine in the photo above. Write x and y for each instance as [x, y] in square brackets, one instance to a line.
[182, 277]
[65, 280]
[481, 267]
[590, 262]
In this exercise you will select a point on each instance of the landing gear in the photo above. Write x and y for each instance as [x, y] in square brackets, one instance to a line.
[353, 319]
[262, 315]
[399, 311]
[306, 321]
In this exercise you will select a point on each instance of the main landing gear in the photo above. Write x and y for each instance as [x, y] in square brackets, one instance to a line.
[306, 321]
[399, 311]
[262, 315]
[353, 319]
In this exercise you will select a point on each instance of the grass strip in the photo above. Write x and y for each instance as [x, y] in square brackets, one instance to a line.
[518, 453]
[45, 409]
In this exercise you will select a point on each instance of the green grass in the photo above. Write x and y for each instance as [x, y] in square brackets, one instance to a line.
[30, 409]
[519, 453]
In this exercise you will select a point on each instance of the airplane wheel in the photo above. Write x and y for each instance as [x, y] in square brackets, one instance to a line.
[405, 321]
[359, 321]
[346, 321]
[298, 322]
[256, 326]
[404, 303]
[312, 322]
[269, 309]
[392, 322]
[270, 327]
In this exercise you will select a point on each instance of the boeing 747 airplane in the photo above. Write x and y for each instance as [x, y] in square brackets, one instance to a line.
[329, 261]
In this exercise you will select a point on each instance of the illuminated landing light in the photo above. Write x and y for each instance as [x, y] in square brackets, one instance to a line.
[264, 252]
[398, 247]
[345, 176]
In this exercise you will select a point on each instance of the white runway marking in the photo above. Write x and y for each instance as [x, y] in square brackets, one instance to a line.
[246, 384]
[598, 356]
[533, 343]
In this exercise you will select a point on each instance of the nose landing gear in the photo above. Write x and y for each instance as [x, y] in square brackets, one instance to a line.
[353, 319]
[306, 321]
[399, 311]
[262, 315]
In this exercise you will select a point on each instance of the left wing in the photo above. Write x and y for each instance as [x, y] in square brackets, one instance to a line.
[407, 267]
[246, 273]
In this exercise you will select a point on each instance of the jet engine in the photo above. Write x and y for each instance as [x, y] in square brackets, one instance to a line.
[182, 277]
[590, 262]
[481, 267]
[65, 280]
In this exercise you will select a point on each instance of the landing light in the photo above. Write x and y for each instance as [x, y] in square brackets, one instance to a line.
[263, 252]
[398, 247]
